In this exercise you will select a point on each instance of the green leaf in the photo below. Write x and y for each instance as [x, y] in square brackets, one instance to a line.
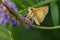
[54, 13]
[20, 33]
[23, 12]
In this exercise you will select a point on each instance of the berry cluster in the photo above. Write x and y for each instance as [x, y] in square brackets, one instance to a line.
[5, 17]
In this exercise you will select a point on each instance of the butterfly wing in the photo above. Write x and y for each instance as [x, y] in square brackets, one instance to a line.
[37, 14]
[30, 14]
[44, 12]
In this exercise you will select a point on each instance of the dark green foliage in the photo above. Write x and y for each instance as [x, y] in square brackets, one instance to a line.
[21, 33]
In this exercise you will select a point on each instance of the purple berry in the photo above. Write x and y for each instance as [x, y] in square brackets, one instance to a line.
[4, 13]
[5, 17]
[28, 21]
[13, 23]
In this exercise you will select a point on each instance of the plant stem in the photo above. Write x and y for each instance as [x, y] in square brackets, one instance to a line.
[23, 22]
[38, 5]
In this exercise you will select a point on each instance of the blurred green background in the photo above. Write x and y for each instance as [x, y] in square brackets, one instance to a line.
[21, 33]
[52, 19]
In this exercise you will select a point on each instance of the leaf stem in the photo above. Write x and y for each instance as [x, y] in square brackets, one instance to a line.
[23, 22]
[38, 5]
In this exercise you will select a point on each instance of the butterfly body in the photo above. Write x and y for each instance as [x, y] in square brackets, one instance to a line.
[37, 14]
